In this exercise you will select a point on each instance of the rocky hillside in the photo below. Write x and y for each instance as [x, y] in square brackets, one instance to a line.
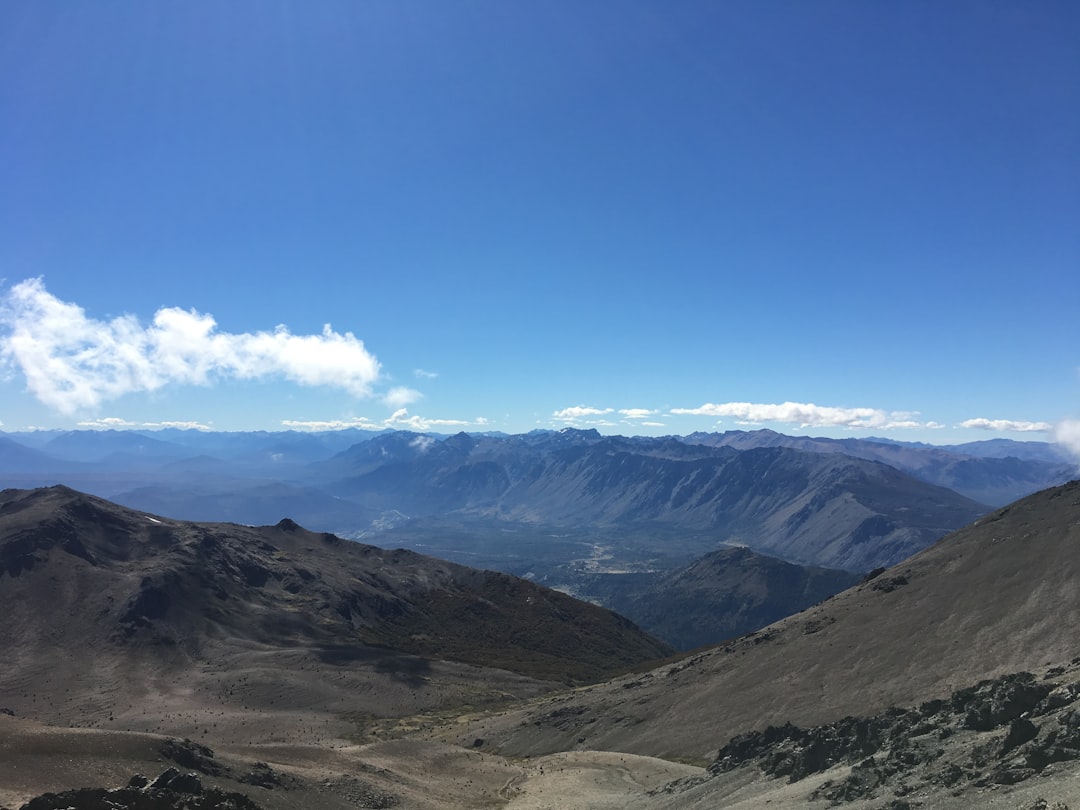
[1007, 742]
[1015, 726]
[93, 593]
[998, 596]
[119, 646]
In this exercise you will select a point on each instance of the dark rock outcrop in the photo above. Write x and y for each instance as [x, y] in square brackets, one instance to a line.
[262, 775]
[1017, 726]
[171, 790]
[192, 755]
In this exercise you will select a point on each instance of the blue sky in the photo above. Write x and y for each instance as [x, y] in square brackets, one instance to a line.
[838, 218]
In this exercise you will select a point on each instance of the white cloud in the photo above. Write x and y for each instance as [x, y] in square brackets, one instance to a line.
[116, 423]
[179, 425]
[1010, 425]
[421, 374]
[422, 443]
[903, 424]
[636, 413]
[359, 422]
[400, 396]
[72, 362]
[580, 412]
[1067, 434]
[653, 424]
[107, 423]
[804, 414]
[398, 420]
[401, 420]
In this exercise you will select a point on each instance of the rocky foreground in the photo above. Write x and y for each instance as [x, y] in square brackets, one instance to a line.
[1000, 732]
[1018, 734]
[1008, 730]
[171, 790]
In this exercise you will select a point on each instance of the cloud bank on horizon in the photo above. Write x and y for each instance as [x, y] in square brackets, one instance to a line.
[73, 363]
[808, 414]
[400, 419]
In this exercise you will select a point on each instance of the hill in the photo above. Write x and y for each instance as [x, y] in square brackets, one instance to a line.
[907, 690]
[996, 597]
[725, 594]
[98, 597]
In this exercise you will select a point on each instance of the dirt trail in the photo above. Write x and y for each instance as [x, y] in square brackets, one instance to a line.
[594, 779]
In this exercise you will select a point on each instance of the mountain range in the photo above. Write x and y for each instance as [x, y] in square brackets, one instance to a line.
[994, 472]
[810, 508]
[801, 503]
[614, 520]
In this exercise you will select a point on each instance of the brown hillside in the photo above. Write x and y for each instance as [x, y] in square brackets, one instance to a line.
[119, 618]
[998, 596]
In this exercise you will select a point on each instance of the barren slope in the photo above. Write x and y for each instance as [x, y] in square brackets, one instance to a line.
[996, 597]
[113, 616]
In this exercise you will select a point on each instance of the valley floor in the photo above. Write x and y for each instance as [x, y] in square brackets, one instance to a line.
[594, 779]
[420, 774]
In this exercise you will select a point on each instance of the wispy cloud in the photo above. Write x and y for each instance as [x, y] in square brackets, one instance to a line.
[400, 396]
[358, 422]
[116, 423]
[636, 413]
[806, 414]
[401, 419]
[580, 412]
[107, 423]
[1003, 425]
[1067, 434]
[422, 443]
[72, 362]
[421, 374]
[398, 420]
